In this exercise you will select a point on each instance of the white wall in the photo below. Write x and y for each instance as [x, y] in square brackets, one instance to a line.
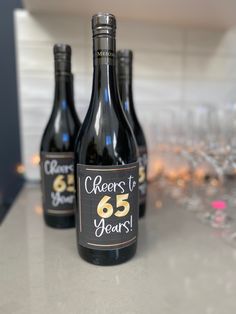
[172, 66]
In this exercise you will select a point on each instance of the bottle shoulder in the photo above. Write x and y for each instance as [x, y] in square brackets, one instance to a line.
[136, 127]
[60, 132]
[139, 135]
[105, 137]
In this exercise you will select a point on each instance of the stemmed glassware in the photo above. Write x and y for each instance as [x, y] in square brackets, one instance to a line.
[193, 156]
[216, 152]
[166, 161]
[197, 128]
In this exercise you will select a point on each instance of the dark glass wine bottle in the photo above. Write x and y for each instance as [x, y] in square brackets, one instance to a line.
[106, 162]
[57, 147]
[124, 73]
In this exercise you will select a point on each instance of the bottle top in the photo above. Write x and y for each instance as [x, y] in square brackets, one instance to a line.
[104, 24]
[124, 64]
[125, 54]
[62, 57]
[61, 49]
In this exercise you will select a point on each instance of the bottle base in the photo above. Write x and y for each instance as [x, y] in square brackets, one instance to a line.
[65, 222]
[108, 257]
[142, 210]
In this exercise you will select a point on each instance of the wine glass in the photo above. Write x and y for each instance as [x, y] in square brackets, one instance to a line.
[216, 151]
[197, 128]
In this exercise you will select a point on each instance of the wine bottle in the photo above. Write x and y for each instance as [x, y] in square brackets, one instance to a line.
[106, 162]
[124, 73]
[57, 147]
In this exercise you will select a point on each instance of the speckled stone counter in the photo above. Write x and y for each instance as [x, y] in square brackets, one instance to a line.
[181, 267]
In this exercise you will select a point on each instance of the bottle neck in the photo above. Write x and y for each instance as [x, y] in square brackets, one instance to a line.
[126, 92]
[63, 98]
[104, 73]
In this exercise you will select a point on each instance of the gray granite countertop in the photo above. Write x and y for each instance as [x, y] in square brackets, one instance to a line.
[181, 267]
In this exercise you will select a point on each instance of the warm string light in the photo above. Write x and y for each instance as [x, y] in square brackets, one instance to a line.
[200, 174]
[38, 210]
[20, 168]
[181, 183]
[169, 165]
[158, 204]
[155, 169]
[214, 182]
[35, 159]
[180, 174]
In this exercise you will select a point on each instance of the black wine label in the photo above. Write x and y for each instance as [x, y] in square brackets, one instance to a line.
[107, 202]
[104, 51]
[101, 53]
[57, 173]
[104, 56]
[142, 173]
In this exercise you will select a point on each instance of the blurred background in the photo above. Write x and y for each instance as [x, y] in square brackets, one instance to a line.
[10, 152]
[184, 88]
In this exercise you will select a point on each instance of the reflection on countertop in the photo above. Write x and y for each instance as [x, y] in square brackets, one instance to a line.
[181, 266]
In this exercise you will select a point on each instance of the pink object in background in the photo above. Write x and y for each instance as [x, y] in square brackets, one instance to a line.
[219, 205]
